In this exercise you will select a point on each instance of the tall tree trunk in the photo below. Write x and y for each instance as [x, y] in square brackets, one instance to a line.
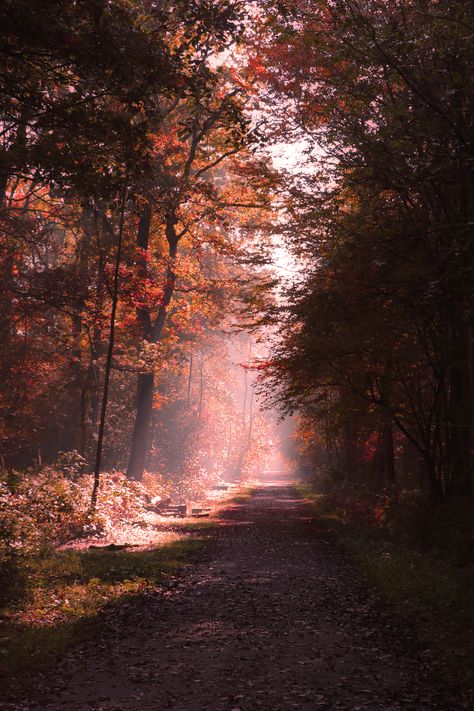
[240, 461]
[434, 481]
[83, 418]
[388, 457]
[141, 429]
[349, 451]
[227, 464]
[145, 383]
[92, 402]
[110, 349]
[190, 375]
[201, 384]
[4, 178]
[251, 420]
[93, 373]
[79, 380]
[460, 431]
[9, 158]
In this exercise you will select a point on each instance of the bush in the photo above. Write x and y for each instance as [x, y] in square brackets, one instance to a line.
[41, 509]
[71, 464]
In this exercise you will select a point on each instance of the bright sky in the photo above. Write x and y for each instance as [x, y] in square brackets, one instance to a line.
[289, 156]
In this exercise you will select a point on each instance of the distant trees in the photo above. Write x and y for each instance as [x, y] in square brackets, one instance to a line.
[379, 333]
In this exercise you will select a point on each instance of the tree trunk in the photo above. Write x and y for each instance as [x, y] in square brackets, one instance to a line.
[240, 461]
[387, 451]
[93, 373]
[459, 454]
[153, 332]
[251, 420]
[145, 384]
[190, 374]
[201, 384]
[110, 347]
[228, 463]
[141, 430]
[79, 380]
[7, 158]
[4, 178]
[350, 459]
[434, 481]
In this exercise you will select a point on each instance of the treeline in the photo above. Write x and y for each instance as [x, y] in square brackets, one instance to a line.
[376, 351]
[123, 137]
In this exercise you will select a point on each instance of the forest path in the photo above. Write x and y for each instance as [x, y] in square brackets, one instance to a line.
[274, 618]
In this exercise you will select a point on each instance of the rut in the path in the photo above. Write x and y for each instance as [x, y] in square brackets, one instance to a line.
[274, 619]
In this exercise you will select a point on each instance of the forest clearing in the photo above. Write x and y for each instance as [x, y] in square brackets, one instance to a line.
[236, 354]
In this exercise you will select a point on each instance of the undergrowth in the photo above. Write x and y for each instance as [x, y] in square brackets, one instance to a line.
[54, 587]
[51, 505]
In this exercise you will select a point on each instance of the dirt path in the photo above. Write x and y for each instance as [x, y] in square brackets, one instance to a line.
[273, 619]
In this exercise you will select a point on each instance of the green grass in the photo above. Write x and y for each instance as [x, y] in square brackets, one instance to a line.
[240, 499]
[428, 595]
[56, 599]
[428, 592]
[406, 577]
[242, 495]
[205, 524]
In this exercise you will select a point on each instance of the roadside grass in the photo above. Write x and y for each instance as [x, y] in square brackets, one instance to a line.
[198, 525]
[427, 589]
[242, 495]
[240, 498]
[55, 599]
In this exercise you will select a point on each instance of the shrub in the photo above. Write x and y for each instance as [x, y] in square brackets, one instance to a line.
[71, 464]
[40, 509]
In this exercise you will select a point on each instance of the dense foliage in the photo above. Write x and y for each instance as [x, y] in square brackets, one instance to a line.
[377, 346]
[134, 219]
[124, 135]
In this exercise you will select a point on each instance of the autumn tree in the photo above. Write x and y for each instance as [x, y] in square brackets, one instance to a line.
[79, 120]
[206, 126]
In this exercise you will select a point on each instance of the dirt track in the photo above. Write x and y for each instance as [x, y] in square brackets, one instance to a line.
[274, 618]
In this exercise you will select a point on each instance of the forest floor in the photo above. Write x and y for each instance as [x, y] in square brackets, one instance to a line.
[271, 616]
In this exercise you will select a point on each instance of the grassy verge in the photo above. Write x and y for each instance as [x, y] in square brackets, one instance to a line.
[427, 590]
[241, 495]
[55, 599]
[240, 498]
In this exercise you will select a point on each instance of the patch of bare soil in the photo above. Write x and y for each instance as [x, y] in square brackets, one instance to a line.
[273, 617]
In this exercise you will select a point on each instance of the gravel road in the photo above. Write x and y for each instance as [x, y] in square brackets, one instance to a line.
[271, 617]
